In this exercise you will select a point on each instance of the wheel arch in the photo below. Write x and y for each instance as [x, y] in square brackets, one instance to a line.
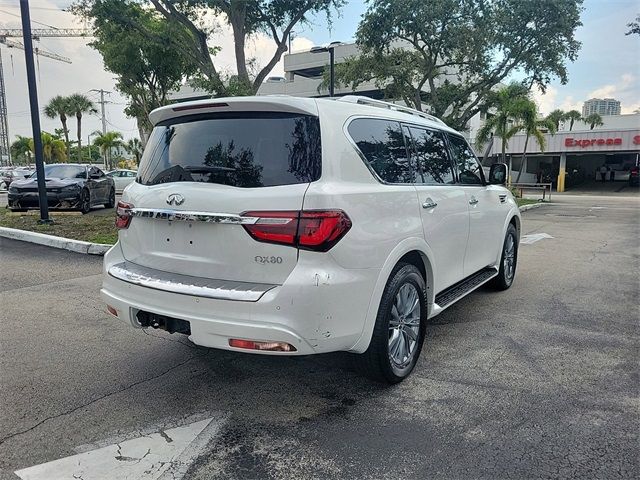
[411, 250]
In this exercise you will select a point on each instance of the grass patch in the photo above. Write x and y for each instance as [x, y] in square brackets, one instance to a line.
[96, 227]
[526, 201]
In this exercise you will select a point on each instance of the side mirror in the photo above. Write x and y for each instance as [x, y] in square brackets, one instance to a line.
[94, 175]
[498, 174]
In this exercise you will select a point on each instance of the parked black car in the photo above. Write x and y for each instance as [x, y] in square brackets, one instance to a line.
[68, 186]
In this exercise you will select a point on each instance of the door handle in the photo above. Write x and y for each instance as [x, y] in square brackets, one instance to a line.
[473, 201]
[429, 204]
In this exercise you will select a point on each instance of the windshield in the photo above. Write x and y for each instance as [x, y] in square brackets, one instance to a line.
[63, 171]
[239, 150]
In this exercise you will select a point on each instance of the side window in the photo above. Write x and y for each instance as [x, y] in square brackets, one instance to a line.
[382, 144]
[469, 168]
[433, 165]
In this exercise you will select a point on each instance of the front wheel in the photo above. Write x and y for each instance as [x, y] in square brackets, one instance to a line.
[399, 330]
[508, 260]
[85, 201]
[112, 199]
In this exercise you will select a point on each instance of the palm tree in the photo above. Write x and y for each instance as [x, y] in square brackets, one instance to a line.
[506, 104]
[594, 120]
[78, 105]
[21, 148]
[529, 122]
[59, 106]
[106, 142]
[53, 149]
[573, 116]
[134, 147]
[556, 117]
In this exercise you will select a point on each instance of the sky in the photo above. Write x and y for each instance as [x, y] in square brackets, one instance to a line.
[608, 63]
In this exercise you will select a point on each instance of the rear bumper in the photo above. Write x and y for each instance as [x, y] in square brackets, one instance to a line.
[317, 309]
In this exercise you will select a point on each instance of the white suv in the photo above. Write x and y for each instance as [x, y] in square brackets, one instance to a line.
[294, 226]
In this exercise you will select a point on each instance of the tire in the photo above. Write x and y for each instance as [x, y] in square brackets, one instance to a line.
[112, 199]
[397, 337]
[85, 201]
[508, 260]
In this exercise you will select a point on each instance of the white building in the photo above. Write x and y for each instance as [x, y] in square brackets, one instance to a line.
[606, 106]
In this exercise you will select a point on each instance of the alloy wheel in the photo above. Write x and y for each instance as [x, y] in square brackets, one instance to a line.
[509, 256]
[404, 325]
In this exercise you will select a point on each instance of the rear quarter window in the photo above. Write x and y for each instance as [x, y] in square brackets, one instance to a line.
[240, 150]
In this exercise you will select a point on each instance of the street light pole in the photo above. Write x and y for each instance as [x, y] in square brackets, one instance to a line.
[329, 48]
[35, 113]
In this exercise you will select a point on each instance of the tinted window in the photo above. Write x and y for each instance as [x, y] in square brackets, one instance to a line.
[382, 144]
[240, 150]
[469, 168]
[432, 160]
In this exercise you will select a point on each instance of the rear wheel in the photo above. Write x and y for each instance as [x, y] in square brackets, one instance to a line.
[85, 201]
[399, 330]
[112, 199]
[508, 261]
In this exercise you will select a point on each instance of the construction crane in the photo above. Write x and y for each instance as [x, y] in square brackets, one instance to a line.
[36, 34]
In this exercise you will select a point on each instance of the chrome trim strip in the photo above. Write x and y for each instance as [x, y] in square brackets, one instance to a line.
[188, 285]
[188, 216]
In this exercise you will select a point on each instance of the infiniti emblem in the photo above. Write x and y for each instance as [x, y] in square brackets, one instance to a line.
[175, 199]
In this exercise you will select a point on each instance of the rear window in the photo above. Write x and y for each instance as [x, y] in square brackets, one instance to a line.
[239, 150]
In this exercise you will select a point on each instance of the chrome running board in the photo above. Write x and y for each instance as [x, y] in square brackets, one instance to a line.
[188, 285]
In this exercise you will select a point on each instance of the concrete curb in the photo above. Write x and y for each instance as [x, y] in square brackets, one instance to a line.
[77, 246]
[524, 208]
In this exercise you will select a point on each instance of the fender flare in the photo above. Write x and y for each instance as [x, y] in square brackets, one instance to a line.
[405, 246]
[513, 212]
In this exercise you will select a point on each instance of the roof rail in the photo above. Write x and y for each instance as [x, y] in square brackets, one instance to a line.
[361, 100]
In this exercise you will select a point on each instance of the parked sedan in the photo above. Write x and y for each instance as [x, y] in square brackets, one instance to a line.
[9, 175]
[68, 186]
[122, 178]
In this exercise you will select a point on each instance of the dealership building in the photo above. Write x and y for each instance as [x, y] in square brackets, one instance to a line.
[574, 157]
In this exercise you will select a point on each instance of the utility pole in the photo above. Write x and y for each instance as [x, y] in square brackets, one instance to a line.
[104, 119]
[5, 151]
[35, 112]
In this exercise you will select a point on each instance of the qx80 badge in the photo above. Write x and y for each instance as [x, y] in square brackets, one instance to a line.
[175, 199]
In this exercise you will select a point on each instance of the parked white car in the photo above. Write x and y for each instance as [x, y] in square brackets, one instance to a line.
[294, 226]
[122, 178]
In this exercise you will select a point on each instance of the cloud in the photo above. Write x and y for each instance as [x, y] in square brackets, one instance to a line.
[546, 101]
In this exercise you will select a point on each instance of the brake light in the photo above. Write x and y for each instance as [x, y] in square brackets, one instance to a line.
[123, 215]
[317, 230]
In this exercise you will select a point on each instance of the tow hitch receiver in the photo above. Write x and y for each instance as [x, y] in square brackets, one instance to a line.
[170, 324]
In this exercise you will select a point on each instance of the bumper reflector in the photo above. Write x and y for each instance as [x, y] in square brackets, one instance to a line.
[268, 346]
[112, 310]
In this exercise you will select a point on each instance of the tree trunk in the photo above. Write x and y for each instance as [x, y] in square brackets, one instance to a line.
[65, 130]
[523, 163]
[143, 131]
[79, 119]
[237, 16]
[417, 100]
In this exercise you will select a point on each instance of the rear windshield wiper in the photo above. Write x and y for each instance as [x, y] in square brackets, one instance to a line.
[209, 169]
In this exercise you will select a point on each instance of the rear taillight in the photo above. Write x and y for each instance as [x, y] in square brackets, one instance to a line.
[123, 215]
[317, 230]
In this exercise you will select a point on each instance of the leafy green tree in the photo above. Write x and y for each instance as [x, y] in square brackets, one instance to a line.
[593, 120]
[106, 143]
[21, 149]
[60, 107]
[275, 18]
[134, 147]
[451, 54]
[506, 105]
[80, 104]
[528, 121]
[573, 116]
[556, 117]
[146, 52]
[53, 149]
[634, 27]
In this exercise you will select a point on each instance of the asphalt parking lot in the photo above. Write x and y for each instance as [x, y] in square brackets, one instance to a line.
[540, 381]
